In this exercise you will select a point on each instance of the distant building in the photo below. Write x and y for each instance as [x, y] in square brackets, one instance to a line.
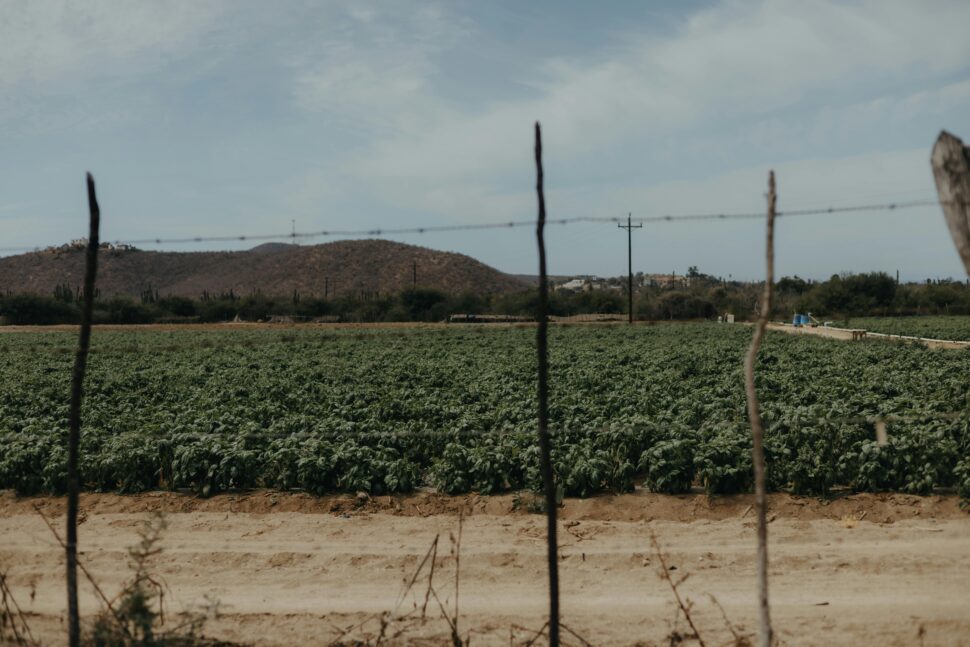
[585, 284]
[574, 284]
[82, 243]
[591, 283]
[667, 280]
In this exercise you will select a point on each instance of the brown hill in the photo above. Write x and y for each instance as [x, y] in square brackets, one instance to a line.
[341, 268]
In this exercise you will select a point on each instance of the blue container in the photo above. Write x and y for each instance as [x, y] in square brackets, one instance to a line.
[801, 320]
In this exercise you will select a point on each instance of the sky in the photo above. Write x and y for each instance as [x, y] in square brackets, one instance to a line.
[239, 117]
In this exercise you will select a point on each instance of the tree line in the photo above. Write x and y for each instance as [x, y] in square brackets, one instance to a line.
[705, 297]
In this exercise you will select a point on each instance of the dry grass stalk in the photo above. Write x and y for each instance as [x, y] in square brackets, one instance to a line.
[393, 624]
[14, 629]
[87, 574]
[738, 640]
[664, 572]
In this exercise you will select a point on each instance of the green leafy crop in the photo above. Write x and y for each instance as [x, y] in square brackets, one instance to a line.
[454, 408]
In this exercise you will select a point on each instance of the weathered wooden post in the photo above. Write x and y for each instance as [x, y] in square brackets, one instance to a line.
[545, 443]
[74, 418]
[765, 632]
[951, 168]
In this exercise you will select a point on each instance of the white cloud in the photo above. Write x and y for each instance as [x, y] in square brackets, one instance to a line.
[735, 60]
[47, 40]
[372, 66]
[363, 110]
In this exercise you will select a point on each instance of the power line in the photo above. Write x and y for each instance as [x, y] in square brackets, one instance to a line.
[511, 224]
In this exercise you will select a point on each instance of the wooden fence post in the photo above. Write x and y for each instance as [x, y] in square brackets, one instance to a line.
[765, 634]
[74, 421]
[545, 444]
[951, 168]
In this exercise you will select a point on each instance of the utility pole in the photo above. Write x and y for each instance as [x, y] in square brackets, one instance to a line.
[326, 287]
[629, 226]
[414, 274]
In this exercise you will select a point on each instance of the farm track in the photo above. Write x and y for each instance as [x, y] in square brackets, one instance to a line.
[845, 334]
[290, 569]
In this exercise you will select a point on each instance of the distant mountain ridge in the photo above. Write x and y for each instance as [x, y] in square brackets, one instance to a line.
[340, 268]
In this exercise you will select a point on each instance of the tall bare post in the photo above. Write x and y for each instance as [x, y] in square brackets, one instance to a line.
[765, 638]
[629, 262]
[951, 168]
[74, 421]
[545, 444]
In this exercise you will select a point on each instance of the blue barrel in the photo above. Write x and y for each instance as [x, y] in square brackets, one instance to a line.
[796, 320]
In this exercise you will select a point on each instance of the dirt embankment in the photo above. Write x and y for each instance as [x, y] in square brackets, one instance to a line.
[638, 506]
[292, 569]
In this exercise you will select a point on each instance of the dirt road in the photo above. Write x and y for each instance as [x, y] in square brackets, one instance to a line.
[291, 569]
[846, 334]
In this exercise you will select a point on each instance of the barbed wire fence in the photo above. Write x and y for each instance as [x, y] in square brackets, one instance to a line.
[544, 432]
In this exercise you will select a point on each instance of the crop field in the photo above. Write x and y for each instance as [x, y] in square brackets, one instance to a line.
[387, 411]
[955, 328]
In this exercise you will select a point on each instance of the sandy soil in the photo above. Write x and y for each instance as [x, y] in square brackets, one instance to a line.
[292, 569]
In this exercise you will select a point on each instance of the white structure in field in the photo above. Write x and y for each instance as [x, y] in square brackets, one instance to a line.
[586, 284]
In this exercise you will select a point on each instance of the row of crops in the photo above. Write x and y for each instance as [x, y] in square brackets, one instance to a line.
[955, 328]
[454, 408]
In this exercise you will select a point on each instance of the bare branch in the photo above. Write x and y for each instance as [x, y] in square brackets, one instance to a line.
[757, 428]
[456, 639]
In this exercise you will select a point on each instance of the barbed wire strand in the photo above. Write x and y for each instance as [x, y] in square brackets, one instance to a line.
[511, 224]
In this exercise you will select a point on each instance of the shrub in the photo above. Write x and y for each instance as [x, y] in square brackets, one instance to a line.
[962, 474]
[912, 462]
[34, 462]
[210, 464]
[668, 466]
[581, 469]
[723, 463]
[127, 463]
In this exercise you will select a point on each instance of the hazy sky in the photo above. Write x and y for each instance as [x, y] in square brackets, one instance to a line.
[233, 117]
